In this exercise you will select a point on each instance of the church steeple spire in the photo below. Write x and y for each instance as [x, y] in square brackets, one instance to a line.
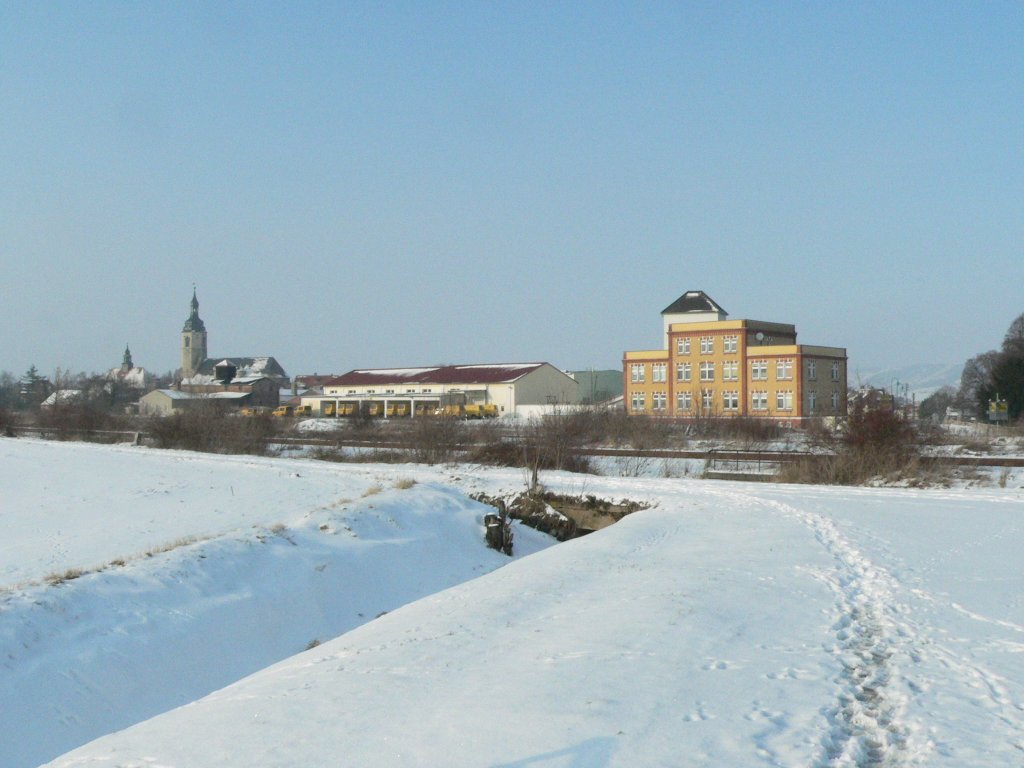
[193, 340]
[126, 362]
[194, 323]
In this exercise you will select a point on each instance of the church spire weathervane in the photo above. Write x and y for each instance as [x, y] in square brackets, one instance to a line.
[194, 323]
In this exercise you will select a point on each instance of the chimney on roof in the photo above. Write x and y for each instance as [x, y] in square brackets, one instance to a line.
[224, 372]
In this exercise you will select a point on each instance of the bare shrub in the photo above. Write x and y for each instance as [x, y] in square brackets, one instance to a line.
[360, 456]
[975, 446]
[211, 428]
[436, 440]
[383, 456]
[373, 490]
[553, 442]
[7, 422]
[633, 466]
[497, 453]
[72, 421]
[754, 430]
[329, 454]
[878, 445]
[818, 435]
[404, 483]
[361, 425]
[617, 428]
[930, 433]
[878, 429]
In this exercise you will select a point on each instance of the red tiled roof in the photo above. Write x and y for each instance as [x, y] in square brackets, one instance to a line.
[441, 374]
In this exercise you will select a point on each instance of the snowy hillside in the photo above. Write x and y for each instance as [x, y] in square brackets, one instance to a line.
[920, 380]
[731, 624]
[197, 570]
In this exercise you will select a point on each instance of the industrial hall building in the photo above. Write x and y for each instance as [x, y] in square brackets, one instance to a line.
[714, 367]
[495, 389]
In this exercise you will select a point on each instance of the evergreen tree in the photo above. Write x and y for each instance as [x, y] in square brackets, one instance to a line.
[33, 388]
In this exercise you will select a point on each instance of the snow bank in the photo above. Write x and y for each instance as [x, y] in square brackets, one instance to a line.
[86, 655]
[730, 624]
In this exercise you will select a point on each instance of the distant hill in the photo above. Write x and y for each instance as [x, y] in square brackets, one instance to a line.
[921, 379]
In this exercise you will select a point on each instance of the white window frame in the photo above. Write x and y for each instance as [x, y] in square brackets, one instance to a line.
[707, 345]
[684, 401]
[731, 370]
[759, 370]
[759, 400]
[707, 371]
[683, 345]
[684, 372]
[784, 400]
[835, 370]
[638, 373]
[707, 400]
[659, 373]
[639, 401]
[784, 370]
[731, 344]
[835, 400]
[812, 370]
[731, 400]
[659, 401]
[812, 403]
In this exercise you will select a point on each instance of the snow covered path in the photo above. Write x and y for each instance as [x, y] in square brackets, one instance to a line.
[731, 624]
[918, 684]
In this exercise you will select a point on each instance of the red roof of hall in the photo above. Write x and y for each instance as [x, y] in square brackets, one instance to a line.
[438, 374]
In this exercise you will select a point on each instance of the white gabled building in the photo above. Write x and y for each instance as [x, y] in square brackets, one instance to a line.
[163, 402]
[506, 387]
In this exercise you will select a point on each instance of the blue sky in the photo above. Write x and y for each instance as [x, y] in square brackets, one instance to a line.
[354, 184]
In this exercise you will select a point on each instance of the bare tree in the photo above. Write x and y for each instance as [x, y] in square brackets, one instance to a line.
[976, 382]
[1013, 341]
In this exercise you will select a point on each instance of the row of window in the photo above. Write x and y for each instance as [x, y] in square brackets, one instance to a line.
[730, 401]
[386, 391]
[730, 371]
[730, 345]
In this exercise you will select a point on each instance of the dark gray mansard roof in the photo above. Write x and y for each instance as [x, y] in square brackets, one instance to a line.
[692, 301]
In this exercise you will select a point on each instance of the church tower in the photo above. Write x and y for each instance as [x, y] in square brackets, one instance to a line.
[193, 341]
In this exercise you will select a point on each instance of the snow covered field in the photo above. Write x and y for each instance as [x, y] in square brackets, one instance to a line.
[730, 625]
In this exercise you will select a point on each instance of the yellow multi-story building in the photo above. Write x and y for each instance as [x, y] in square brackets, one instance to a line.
[715, 367]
